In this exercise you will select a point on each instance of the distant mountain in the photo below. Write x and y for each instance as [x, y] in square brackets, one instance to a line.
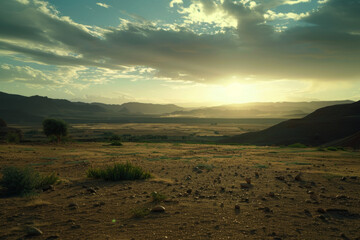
[20, 109]
[141, 108]
[322, 126]
[258, 110]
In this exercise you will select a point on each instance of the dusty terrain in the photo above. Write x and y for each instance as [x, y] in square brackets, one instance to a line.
[322, 203]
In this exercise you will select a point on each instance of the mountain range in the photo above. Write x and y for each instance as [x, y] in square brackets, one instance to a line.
[21, 109]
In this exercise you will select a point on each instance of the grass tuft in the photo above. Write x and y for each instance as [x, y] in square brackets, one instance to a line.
[118, 172]
[297, 145]
[116, 143]
[261, 166]
[204, 166]
[22, 181]
[158, 197]
[140, 212]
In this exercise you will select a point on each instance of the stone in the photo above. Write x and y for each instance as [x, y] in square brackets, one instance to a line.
[321, 210]
[33, 231]
[73, 206]
[298, 177]
[158, 209]
[245, 185]
[91, 190]
[280, 178]
[248, 180]
[52, 237]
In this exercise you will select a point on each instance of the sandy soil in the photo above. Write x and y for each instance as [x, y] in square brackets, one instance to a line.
[320, 204]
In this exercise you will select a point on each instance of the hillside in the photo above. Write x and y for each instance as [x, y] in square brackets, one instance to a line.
[21, 109]
[322, 126]
[258, 110]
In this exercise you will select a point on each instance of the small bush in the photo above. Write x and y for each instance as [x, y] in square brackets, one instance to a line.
[158, 197]
[204, 166]
[118, 172]
[140, 212]
[24, 180]
[116, 143]
[261, 166]
[13, 137]
[115, 137]
[297, 145]
[335, 148]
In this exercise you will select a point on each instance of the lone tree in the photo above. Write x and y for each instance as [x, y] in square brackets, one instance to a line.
[55, 127]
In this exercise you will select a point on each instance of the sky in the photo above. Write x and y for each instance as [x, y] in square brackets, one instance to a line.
[186, 52]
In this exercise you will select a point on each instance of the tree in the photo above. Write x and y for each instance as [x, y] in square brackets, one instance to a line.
[55, 127]
[2, 123]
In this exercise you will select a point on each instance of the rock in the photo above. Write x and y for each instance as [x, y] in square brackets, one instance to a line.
[99, 204]
[188, 178]
[237, 207]
[33, 231]
[53, 237]
[75, 226]
[343, 179]
[158, 209]
[248, 180]
[73, 206]
[298, 177]
[245, 185]
[189, 191]
[91, 190]
[341, 197]
[281, 178]
[344, 236]
[271, 194]
[321, 210]
[47, 188]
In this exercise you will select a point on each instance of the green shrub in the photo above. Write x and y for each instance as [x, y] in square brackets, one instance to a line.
[116, 143]
[118, 171]
[158, 197]
[261, 166]
[140, 212]
[24, 180]
[335, 148]
[115, 137]
[204, 166]
[297, 145]
[13, 137]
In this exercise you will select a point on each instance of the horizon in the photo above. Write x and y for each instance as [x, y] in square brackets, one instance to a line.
[184, 105]
[191, 53]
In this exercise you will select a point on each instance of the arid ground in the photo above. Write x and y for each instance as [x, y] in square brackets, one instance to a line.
[323, 202]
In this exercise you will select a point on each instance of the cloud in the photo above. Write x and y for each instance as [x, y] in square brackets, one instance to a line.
[173, 2]
[292, 2]
[104, 5]
[325, 47]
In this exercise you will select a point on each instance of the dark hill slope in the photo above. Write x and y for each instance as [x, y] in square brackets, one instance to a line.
[21, 109]
[322, 126]
[37, 105]
[352, 141]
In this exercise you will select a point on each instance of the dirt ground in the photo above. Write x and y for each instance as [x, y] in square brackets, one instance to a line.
[323, 202]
